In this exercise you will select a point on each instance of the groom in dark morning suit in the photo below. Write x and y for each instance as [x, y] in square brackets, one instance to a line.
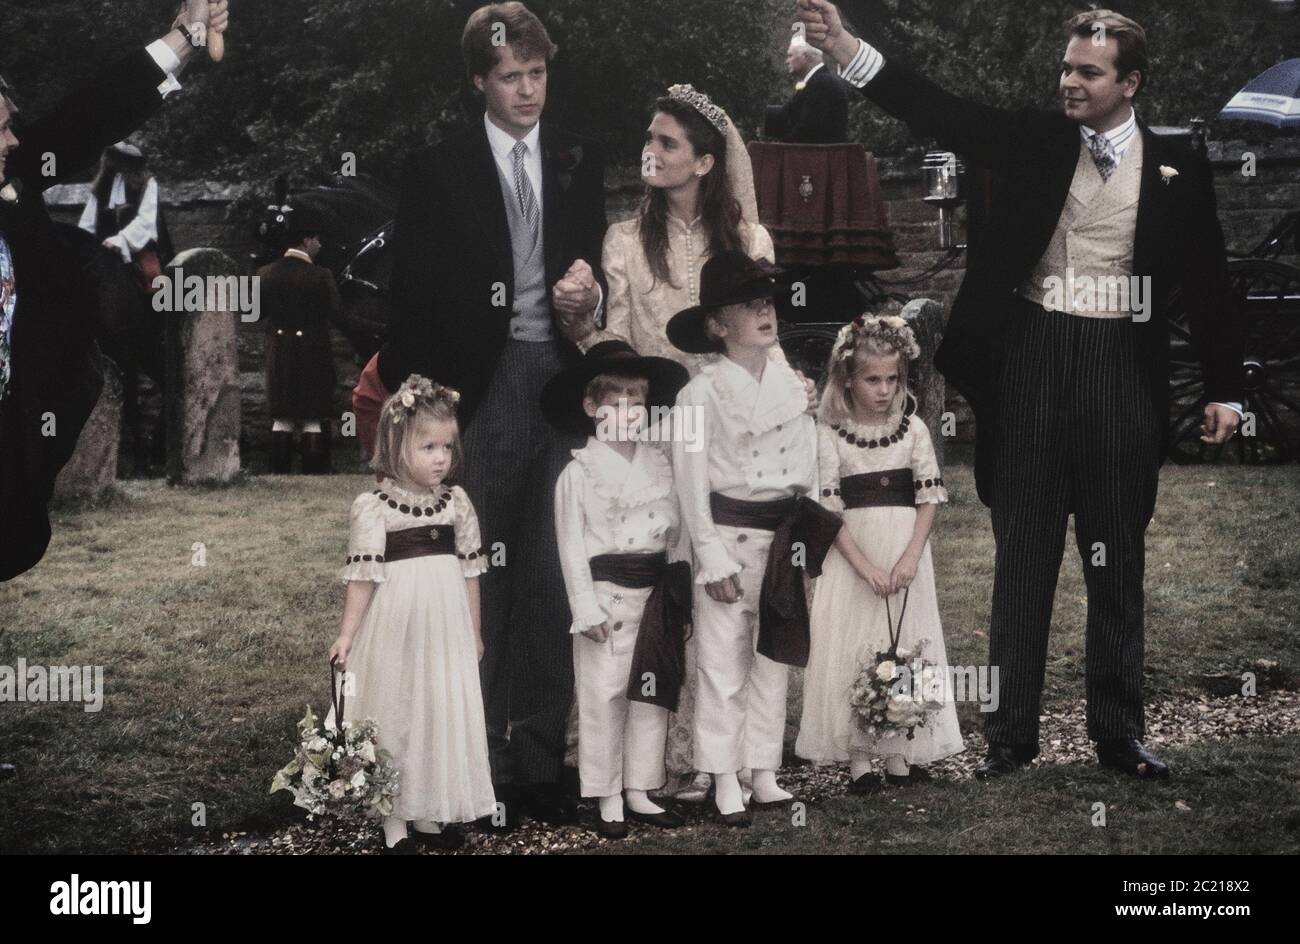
[1070, 386]
[497, 245]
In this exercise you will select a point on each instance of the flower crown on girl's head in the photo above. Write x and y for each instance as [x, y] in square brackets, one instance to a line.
[417, 391]
[888, 329]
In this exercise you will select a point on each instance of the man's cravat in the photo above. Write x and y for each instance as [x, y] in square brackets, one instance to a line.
[524, 191]
[1103, 155]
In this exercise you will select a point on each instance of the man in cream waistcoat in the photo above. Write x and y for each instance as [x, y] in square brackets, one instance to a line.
[1099, 233]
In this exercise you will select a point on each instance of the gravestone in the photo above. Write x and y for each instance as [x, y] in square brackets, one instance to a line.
[925, 317]
[203, 408]
[92, 470]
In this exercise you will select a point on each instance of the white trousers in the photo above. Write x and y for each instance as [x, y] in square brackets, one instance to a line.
[620, 742]
[740, 699]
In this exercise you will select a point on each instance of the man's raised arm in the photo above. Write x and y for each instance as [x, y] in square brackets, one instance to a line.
[982, 133]
[72, 134]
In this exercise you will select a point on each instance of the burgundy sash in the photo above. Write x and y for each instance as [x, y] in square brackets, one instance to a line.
[803, 532]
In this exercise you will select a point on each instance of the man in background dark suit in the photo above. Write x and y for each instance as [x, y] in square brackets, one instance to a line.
[819, 111]
[499, 233]
[48, 383]
[1070, 395]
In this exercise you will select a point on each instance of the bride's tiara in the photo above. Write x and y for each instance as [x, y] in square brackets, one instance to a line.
[701, 103]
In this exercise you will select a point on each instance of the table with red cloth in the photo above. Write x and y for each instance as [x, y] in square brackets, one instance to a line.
[823, 205]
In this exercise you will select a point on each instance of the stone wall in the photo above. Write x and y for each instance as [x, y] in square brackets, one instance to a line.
[198, 214]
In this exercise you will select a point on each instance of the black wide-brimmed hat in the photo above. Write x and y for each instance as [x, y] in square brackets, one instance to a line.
[562, 395]
[729, 278]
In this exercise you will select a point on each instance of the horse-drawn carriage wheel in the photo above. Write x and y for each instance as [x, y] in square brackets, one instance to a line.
[1269, 294]
[808, 347]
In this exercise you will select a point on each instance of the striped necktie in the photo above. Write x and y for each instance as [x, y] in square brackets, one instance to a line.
[524, 189]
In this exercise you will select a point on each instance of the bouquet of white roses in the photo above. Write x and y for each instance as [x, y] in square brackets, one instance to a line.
[889, 696]
[339, 769]
[895, 693]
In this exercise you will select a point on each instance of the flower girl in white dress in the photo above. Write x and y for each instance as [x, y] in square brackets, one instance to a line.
[409, 637]
[876, 465]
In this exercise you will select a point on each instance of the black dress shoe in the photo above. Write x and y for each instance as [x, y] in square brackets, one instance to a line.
[549, 805]
[610, 830]
[913, 776]
[740, 820]
[1128, 755]
[7, 771]
[865, 785]
[506, 820]
[666, 819]
[404, 846]
[451, 837]
[1004, 759]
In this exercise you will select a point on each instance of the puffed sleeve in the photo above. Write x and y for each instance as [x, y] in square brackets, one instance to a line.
[569, 530]
[618, 301]
[366, 541]
[925, 467]
[760, 244]
[828, 469]
[469, 543]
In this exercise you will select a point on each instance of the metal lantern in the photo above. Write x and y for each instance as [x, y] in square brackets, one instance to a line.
[941, 175]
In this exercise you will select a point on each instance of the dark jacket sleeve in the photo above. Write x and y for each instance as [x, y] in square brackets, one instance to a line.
[1213, 310]
[592, 220]
[413, 290]
[79, 127]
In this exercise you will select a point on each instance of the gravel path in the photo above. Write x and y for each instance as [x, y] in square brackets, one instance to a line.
[1188, 719]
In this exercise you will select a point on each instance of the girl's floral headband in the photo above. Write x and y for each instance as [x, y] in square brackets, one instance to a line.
[889, 329]
[419, 390]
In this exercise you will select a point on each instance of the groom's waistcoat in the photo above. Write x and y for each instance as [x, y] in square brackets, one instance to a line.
[1093, 242]
[531, 319]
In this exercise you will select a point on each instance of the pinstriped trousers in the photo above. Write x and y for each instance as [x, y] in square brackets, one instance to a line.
[1076, 433]
[512, 461]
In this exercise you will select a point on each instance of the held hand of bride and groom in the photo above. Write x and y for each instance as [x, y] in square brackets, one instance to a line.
[574, 299]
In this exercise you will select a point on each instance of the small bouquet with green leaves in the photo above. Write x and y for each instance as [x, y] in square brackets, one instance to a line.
[339, 769]
[892, 695]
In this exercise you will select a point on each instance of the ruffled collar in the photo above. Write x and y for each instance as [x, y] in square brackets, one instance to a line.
[626, 484]
[758, 406]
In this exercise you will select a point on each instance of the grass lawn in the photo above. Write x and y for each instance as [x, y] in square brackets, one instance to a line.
[207, 669]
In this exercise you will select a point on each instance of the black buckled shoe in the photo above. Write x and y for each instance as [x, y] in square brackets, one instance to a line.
[740, 820]
[913, 776]
[610, 830]
[404, 846]
[452, 837]
[665, 819]
[1129, 756]
[548, 804]
[1003, 759]
[506, 819]
[866, 785]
